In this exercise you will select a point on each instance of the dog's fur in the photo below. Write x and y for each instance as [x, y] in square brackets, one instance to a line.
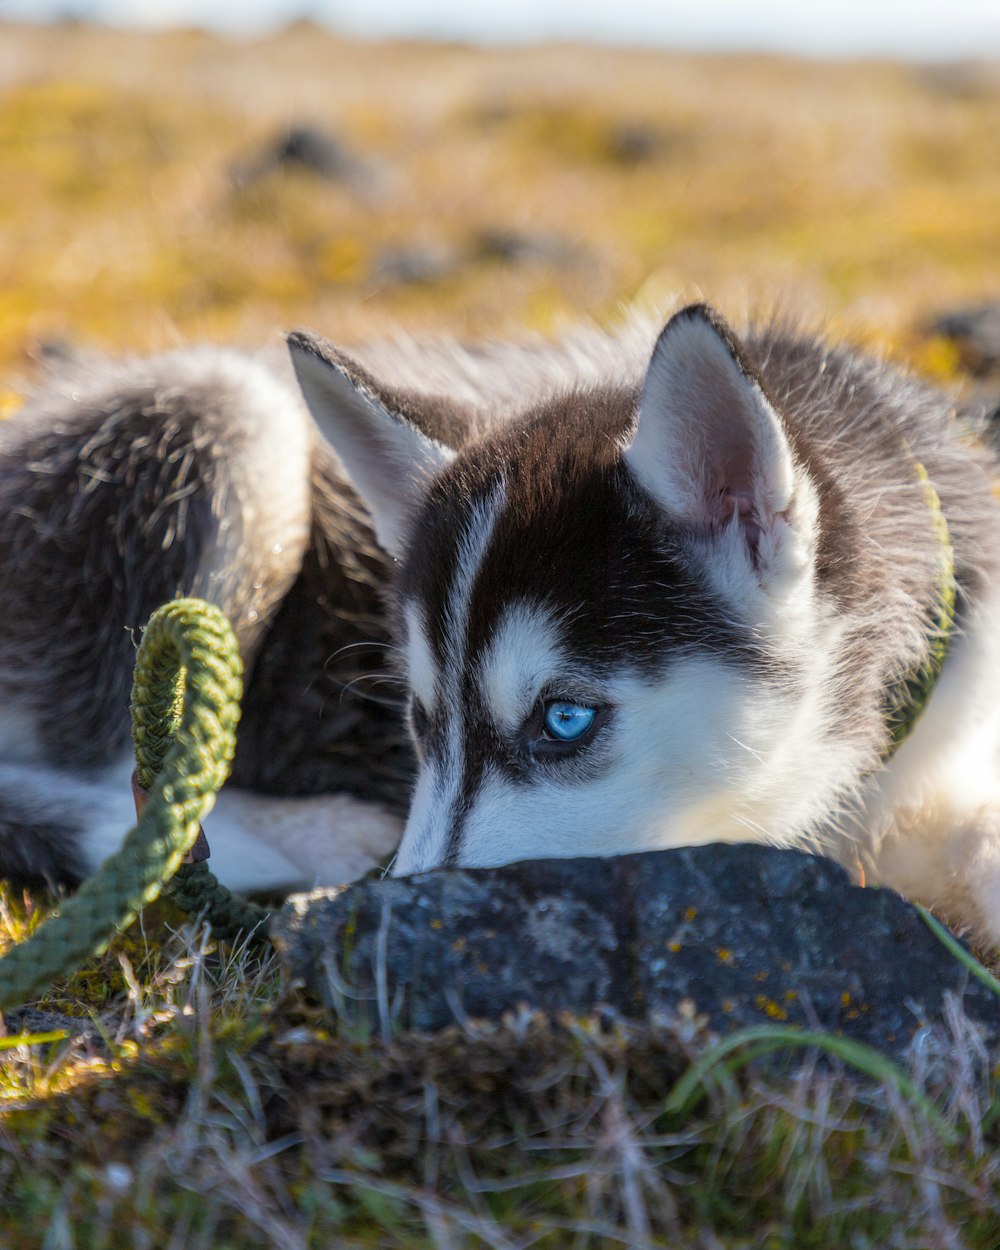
[722, 548]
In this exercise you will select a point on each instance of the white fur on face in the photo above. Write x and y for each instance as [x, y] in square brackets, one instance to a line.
[672, 773]
[435, 799]
[705, 753]
[420, 667]
[425, 835]
[524, 653]
[472, 548]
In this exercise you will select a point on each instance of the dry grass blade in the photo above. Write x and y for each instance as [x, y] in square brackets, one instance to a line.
[968, 960]
[767, 1037]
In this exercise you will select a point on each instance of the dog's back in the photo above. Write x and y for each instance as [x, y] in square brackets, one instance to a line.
[125, 483]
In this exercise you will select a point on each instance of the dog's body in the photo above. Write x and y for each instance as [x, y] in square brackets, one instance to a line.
[122, 486]
[636, 607]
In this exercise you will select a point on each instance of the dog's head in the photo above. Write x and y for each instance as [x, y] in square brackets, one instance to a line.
[600, 601]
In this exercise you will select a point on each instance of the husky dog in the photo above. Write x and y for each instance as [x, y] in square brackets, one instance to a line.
[647, 595]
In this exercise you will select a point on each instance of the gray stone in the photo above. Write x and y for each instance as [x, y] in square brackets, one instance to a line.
[976, 333]
[34, 1020]
[741, 934]
[636, 143]
[517, 247]
[307, 148]
[415, 264]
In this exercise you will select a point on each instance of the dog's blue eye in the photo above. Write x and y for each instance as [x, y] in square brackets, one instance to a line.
[568, 721]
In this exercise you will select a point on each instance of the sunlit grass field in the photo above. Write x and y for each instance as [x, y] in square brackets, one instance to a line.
[526, 186]
[480, 193]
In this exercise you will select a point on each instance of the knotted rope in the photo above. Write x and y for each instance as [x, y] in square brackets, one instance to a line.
[185, 708]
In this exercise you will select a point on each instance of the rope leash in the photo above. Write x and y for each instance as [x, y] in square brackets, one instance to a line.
[185, 708]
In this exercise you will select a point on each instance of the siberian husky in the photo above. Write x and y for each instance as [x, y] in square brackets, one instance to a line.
[646, 594]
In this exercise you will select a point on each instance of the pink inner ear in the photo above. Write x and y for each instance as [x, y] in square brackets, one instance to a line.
[735, 486]
[708, 445]
[740, 502]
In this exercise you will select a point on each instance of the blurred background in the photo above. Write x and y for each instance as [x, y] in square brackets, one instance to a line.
[176, 170]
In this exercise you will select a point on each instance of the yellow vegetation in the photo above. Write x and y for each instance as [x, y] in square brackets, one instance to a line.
[863, 194]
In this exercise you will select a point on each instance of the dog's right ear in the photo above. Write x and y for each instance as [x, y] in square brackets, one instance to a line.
[711, 449]
[374, 430]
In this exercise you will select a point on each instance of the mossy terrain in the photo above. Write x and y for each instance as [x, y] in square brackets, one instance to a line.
[486, 191]
[206, 1102]
[216, 1106]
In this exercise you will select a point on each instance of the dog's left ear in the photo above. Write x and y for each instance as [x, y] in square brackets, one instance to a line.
[383, 436]
[708, 445]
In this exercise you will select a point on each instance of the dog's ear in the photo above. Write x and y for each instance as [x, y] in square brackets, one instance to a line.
[375, 431]
[707, 443]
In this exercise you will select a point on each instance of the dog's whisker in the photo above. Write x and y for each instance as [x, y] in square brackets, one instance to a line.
[750, 751]
[388, 647]
[354, 688]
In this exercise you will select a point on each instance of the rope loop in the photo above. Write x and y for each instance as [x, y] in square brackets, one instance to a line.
[185, 709]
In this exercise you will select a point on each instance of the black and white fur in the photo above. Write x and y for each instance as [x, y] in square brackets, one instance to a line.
[721, 546]
[199, 472]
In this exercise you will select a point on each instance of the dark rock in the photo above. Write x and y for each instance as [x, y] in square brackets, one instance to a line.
[309, 148]
[415, 264]
[959, 80]
[635, 143]
[515, 247]
[741, 934]
[35, 1020]
[312, 149]
[976, 333]
[492, 111]
[56, 352]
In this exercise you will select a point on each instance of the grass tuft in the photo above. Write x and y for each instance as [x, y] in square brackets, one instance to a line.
[210, 1102]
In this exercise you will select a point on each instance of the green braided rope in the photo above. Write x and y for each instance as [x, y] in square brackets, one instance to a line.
[196, 890]
[161, 673]
[189, 666]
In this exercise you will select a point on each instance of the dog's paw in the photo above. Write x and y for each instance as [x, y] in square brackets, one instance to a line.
[261, 843]
[948, 858]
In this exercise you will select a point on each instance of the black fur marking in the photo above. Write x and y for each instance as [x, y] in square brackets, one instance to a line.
[38, 847]
[323, 712]
[574, 535]
[117, 511]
